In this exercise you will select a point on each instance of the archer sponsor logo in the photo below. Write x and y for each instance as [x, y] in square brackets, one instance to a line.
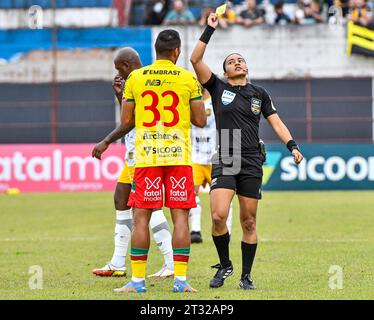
[159, 136]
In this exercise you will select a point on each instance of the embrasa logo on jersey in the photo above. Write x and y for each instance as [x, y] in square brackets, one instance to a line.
[59, 167]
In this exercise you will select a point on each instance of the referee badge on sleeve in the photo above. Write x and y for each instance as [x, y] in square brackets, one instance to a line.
[256, 106]
[227, 97]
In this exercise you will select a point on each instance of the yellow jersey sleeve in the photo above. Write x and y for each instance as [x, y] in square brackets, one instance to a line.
[128, 93]
[196, 93]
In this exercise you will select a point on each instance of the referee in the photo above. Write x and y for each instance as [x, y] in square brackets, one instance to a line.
[237, 166]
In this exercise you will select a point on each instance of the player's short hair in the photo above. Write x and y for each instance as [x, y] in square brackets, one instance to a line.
[167, 41]
[224, 61]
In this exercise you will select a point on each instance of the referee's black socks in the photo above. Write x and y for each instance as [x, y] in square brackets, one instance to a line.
[222, 244]
[248, 255]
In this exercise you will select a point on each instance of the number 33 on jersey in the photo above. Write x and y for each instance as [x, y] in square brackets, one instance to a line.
[162, 93]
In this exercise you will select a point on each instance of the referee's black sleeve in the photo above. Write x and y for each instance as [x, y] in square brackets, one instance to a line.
[268, 107]
[211, 83]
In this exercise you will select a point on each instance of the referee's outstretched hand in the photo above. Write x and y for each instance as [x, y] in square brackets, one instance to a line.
[213, 20]
[297, 156]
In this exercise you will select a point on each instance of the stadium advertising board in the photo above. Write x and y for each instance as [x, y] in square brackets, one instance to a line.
[70, 167]
[325, 167]
[58, 167]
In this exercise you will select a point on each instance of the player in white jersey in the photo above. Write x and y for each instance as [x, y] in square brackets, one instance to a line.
[127, 60]
[203, 148]
[130, 148]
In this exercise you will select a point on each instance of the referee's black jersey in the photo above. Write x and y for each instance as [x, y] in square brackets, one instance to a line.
[239, 107]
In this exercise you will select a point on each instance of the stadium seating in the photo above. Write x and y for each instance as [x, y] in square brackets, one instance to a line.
[21, 4]
[196, 11]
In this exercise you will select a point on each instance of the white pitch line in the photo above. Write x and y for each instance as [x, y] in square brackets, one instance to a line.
[260, 240]
[48, 239]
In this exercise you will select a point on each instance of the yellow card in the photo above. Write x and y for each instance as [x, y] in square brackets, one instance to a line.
[221, 9]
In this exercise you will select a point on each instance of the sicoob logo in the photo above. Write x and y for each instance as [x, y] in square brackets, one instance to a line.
[163, 150]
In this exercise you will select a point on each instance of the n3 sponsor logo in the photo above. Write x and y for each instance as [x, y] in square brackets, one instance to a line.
[154, 83]
[162, 150]
[157, 82]
[332, 168]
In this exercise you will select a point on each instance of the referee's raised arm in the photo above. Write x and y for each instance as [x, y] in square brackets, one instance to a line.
[203, 72]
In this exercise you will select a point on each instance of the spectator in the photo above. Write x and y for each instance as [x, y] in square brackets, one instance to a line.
[252, 15]
[180, 15]
[156, 11]
[309, 12]
[281, 18]
[360, 12]
[344, 5]
[228, 18]
[230, 14]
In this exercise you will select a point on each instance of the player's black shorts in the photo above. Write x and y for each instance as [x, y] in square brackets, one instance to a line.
[244, 185]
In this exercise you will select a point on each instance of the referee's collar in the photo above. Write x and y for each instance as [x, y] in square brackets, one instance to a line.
[163, 63]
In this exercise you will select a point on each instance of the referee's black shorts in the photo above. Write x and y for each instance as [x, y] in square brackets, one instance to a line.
[244, 185]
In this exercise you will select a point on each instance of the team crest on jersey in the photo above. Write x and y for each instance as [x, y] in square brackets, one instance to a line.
[256, 106]
[227, 97]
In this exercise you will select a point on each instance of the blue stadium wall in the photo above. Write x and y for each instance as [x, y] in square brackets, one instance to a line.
[16, 42]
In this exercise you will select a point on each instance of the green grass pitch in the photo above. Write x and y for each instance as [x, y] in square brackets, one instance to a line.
[301, 235]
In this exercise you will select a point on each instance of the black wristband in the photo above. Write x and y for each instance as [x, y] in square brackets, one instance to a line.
[205, 37]
[292, 145]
